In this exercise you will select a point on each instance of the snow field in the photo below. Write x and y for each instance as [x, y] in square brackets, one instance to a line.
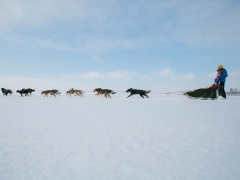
[164, 137]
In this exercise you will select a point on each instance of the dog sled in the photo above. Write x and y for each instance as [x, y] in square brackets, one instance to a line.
[203, 93]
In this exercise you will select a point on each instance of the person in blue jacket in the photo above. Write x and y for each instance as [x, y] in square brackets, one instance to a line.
[221, 79]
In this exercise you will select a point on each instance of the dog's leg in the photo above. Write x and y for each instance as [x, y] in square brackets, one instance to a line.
[146, 95]
[141, 95]
[129, 95]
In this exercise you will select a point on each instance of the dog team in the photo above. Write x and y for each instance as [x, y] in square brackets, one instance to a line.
[75, 92]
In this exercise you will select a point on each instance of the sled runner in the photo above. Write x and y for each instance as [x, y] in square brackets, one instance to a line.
[203, 93]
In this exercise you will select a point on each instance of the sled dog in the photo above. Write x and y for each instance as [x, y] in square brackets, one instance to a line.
[53, 92]
[74, 92]
[142, 93]
[105, 92]
[26, 92]
[6, 91]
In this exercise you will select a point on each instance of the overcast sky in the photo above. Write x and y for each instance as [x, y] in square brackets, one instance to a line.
[117, 44]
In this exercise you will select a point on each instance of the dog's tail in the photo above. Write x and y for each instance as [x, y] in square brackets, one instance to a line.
[113, 92]
[148, 91]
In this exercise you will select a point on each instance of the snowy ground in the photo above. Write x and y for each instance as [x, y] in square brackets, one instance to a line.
[164, 137]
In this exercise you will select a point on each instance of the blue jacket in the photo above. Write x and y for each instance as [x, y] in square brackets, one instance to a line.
[222, 76]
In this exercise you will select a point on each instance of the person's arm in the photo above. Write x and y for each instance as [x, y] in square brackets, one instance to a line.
[223, 74]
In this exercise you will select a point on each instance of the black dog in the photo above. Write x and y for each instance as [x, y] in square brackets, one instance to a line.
[6, 91]
[25, 91]
[142, 93]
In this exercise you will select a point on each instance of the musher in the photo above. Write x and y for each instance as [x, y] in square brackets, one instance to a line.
[221, 79]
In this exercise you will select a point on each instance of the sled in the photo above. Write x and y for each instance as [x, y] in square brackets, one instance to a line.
[203, 93]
